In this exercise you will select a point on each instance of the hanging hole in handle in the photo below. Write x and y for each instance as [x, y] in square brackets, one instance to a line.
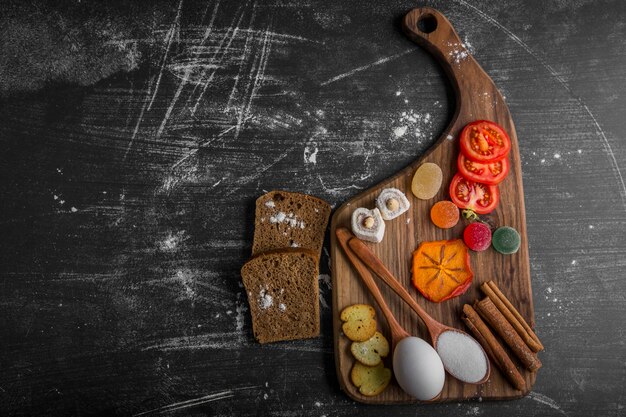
[427, 23]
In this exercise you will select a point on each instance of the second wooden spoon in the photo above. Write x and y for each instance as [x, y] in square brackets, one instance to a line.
[470, 346]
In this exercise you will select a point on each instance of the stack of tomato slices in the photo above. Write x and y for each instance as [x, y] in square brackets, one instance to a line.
[483, 163]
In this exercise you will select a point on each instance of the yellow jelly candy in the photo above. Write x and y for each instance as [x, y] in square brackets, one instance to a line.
[427, 181]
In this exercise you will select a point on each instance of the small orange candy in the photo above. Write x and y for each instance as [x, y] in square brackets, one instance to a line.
[444, 214]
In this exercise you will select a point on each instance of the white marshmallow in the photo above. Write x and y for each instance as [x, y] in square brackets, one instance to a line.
[388, 194]
[372, 234]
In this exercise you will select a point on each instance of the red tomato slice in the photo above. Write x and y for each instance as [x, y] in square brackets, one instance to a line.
[484, 141]
[491, 173]
[467, 194]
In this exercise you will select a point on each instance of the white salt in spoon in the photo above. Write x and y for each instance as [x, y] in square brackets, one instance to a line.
[462, 356]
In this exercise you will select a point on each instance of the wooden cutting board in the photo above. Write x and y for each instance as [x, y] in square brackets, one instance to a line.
[476, 98]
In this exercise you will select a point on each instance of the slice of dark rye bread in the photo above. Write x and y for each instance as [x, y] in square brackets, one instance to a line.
[283, 294]
[289, 220]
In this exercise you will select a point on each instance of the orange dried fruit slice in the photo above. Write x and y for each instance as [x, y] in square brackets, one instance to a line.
[441, 269]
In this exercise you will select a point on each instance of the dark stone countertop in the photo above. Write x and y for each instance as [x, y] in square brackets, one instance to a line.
[135, 139]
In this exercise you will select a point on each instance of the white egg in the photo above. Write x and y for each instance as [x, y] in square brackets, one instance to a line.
[418, 368]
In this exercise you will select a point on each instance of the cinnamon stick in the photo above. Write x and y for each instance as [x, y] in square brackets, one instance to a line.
[493, 348]
[512, 315]
[488, 311]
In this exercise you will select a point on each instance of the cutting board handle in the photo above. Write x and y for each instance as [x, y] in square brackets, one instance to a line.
[430, 29]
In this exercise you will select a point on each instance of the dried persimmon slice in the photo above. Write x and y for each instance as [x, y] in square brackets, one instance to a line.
[441, 269]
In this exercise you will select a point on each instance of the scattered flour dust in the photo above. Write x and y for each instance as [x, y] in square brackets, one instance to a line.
[311, 150]
[460, 51]
[474, 411]
[400, 131]
[290, 219]
[264, 299]
[187, 280]
[310, 154]
[545, 400]
[411, 124]
[325, 279]
[241, 310]
[172, 240]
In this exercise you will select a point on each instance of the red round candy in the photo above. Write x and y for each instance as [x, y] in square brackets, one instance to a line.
[477, 236]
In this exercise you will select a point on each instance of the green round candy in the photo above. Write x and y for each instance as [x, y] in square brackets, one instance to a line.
[506, 240]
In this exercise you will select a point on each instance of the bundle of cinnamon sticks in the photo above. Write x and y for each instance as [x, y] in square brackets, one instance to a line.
[508, 323]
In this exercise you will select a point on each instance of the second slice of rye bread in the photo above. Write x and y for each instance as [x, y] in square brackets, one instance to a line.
[289, 220]
[283, 294]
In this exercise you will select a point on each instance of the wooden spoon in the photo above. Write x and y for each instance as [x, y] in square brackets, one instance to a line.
[435, 328]
[397, 332]
[416, 365]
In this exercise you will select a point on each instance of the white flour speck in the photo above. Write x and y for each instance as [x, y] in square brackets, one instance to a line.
[413, 124]
[398, 93]
[474, 411]
[544, 399]
[187, 279]
[457, 52]
[282, 307]
[574, 262]
[270, 204]
[325, 278]
[73, 209]
[278, 218]
[591, 226]
[290, 219]
[400, 131]
[468, 46]
[171, 241]
[264, 299]
[239, 319]
[557, 156]
[310, 156]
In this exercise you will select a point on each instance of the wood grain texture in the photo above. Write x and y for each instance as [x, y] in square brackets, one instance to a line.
[136, 137]
[477, 98]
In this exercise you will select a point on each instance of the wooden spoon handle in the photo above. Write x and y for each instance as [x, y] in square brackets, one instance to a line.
[368, 257]
[397, 332]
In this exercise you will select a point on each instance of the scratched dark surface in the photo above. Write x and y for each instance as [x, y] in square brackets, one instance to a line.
[135, 139]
